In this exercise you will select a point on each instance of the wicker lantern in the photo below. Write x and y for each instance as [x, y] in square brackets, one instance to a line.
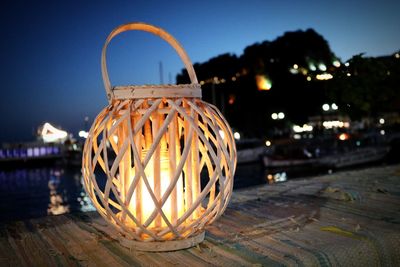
[158, 163]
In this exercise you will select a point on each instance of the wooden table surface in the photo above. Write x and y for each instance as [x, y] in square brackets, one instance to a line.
[349, 218]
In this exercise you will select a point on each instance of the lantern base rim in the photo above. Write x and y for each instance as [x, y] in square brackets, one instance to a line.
[160, 246]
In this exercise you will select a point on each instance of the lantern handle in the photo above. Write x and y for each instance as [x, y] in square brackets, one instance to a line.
[151, 29]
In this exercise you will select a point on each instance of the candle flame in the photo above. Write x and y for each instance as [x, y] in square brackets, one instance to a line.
[143, 210]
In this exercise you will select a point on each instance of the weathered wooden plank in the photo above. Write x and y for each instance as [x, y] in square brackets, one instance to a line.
[349, 218]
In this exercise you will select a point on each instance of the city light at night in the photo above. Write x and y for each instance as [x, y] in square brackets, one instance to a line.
[83, 134]
[336, 124]
[324, 76]
[51, 134]
[336, 63]
[263, 83]
[304, 128]
[344, 136]
[322, 67]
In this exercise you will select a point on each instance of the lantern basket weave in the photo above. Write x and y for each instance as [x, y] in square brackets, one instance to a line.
[158, 163]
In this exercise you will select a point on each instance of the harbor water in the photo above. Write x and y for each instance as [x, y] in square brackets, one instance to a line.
[52, 189]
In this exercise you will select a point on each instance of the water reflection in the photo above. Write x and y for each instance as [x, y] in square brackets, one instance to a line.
[57, 205]
[276, 177]
[84, 200]
[36, 192]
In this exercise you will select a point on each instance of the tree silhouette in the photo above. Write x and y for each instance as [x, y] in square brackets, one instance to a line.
[291, 64]
[368, 86]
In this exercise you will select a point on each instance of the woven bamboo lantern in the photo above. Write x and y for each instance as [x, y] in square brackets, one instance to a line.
[158, 163]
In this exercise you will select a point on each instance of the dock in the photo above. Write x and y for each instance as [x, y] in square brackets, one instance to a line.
[349, 218]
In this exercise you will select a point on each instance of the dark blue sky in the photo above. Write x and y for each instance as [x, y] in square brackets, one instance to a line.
[50, 51]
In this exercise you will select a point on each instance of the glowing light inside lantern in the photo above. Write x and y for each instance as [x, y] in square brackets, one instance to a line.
[141, 204]
[222, 134]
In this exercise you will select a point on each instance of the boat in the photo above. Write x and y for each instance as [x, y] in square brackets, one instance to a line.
[250, 151]
[32, 151]
[51, 145]
[355, 157]
[335, 160]
[289, 156]
[270, 162]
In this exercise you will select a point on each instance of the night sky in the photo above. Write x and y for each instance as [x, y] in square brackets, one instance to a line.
[50, 51]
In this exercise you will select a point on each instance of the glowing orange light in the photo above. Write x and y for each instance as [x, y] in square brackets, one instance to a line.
[146, 205]
[231, 99]
[263, 83]
[344, 136]
[324, 76]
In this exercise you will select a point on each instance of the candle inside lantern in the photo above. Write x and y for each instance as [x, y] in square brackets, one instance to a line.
[154, 171]
[158, 173]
